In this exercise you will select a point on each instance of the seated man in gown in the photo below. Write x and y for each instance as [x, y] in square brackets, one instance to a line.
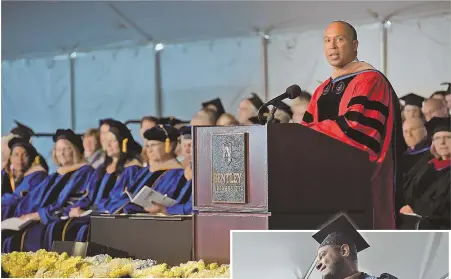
[429, 183]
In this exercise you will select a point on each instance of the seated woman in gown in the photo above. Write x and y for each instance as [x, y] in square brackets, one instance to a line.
[42, 203]
[121, 164]
[165, 174]
[23, 171]
[184, 204]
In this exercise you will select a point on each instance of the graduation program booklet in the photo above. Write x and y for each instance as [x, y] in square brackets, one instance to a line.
[146, 196]
[85, 213]
[15, 223]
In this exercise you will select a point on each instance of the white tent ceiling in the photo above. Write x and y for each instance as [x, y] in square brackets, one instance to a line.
[36, 28]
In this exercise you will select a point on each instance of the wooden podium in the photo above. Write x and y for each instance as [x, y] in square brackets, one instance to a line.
[276, 177]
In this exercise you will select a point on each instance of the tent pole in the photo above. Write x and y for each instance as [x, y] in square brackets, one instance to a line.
[384, 39]
[158, 87]
[265, 42]
[72, 91]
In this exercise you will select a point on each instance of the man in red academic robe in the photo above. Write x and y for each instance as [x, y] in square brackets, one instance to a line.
[358, 106]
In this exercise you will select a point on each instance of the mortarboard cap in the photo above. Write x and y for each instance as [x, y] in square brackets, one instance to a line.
[22, 131]
[106, 121]
[413, 100]
[438, 124]
[171, 121]
[257, 102]
[32, 152]
[284, 107]
[69, 135]
[339, 232]
[161, 133]
[185, 132]
[217, 104]
[448, 91]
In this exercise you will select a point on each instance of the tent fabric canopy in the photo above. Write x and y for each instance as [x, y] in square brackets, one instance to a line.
[42, 29]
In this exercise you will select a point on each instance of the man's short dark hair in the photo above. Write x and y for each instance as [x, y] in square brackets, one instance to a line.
[353, 31]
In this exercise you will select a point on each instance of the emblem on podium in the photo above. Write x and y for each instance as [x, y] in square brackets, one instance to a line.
[228, 174]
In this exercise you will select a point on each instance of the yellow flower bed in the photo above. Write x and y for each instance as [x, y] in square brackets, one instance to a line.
[43, 264]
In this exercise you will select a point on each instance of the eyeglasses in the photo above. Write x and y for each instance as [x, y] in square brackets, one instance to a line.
[438, 138]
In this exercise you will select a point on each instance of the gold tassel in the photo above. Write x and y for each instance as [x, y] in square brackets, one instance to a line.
[167, 142]
[37, 160]
[167, 145]
[13, 184]
[124, 145]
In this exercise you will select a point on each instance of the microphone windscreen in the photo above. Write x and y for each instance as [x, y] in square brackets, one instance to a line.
[294, 91]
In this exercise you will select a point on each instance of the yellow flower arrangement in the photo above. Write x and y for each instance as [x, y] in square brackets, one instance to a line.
[43, 264]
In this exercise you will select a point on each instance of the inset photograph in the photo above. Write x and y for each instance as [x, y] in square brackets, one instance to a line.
[338, 251]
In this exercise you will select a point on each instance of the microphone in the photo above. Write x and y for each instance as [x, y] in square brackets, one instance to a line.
[292, 92]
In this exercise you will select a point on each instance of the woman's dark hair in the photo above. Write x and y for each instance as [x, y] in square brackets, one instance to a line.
[29, 165]
[123, 159]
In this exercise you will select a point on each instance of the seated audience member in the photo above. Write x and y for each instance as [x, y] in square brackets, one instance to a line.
[299, 106]
[147, 122]
[204, 117]
[430, 185]
[23, 132]
[42, 202]
[439, 95]
[23, 171]
[216, 106]
[227, 119]
[104, 128]
[418, 144]
[164, 174]
[121, 164]
[249, 108]
[434, 108]
[176, 123]
[184, 199]
[412, 105]
[93, 150]
[283, 113]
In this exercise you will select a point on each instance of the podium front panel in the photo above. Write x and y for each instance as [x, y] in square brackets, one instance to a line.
[310, 172]
[256, 167]
[212, 233]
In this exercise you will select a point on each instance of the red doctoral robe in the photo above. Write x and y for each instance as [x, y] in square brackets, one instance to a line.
[360, 108]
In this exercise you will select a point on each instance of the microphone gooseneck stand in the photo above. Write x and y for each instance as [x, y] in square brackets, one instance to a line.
[271, 115]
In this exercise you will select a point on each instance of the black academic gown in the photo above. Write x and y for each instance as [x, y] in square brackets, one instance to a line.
[429, 190]
[383, 276]
[412, 156]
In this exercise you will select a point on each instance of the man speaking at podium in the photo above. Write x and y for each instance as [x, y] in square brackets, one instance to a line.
[358, 106]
